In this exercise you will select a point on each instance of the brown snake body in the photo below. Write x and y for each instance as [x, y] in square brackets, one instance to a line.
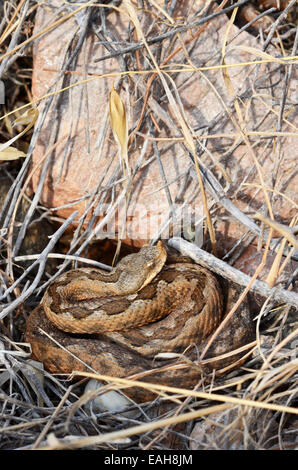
[142, 308]
[138, 292]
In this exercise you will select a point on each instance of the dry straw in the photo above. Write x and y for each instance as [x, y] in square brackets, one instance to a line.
[262, 392]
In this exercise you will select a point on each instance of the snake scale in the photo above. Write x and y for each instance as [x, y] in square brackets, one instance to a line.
[117, 322]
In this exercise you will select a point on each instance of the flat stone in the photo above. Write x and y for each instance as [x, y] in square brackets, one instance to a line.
[85, 160]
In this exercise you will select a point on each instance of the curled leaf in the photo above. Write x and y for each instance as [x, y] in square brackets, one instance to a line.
[29, 118]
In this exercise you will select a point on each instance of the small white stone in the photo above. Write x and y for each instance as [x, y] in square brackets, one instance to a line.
[108, 401]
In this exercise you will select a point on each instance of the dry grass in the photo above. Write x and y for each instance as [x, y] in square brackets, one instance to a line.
[254, 407]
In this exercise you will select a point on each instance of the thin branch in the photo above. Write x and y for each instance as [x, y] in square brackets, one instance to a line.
[171, 33]
[41, 262]
[232, 274]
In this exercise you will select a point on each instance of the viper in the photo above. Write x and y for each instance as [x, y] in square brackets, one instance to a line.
[117, 322]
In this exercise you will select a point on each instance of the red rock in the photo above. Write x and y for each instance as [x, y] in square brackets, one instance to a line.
[80, 167]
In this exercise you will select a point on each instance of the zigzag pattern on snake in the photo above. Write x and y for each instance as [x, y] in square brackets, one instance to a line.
[143, 304]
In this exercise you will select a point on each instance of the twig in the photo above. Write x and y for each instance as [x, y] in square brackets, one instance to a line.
[41, 262]
[78, 259]
[233, 274]
[171, 33]
[277, 22]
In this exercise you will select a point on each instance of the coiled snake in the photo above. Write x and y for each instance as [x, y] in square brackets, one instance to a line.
[142, 308]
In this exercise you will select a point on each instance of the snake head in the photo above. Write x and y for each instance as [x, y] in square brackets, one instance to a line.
[138, 269]
[155, 258]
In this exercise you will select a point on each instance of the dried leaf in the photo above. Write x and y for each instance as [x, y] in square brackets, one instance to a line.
[258, 53]
[11, 153]
[119, 123]
[29, 118]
